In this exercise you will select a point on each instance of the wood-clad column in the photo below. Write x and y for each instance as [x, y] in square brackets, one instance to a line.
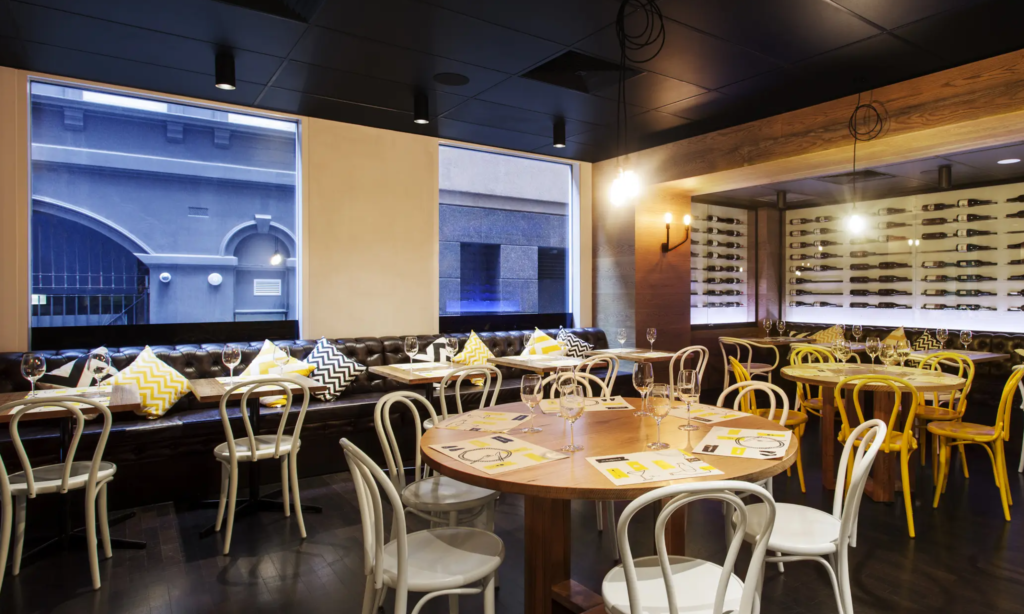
[614, 258]
[769, 251]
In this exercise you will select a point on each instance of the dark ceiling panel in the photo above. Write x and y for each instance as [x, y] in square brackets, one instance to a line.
[562, 21]
[787, 30]
[336, 110]
[215, 22]
[870, 63]
[979, 32]
[553, 100]
[654, 121]
[895, 13]
[700, 107]
[689, 55]
[61, 29]
[571, 151]
[485, 135]
[437, 31]
[115, 71]
[987, 160]
[359, 55]
[7, 28]
[512, 118]
[651, 91]
[9, 52]
[351, 87]
[927, 171]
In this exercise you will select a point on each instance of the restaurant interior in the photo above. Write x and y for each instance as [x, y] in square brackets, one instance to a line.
[304, 303]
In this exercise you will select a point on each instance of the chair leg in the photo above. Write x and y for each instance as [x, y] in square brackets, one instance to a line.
[941, 475]
[284, 486]
[922, 436]
[800, 461]
[225, 471]
[905, 470]
[6, 521]
[108, 552]
[232, 498]
[963, 461]
[90, 535]
[489, 595]
[369, 596]
[935, 458]
[293, 469]
[19, 533]
[999, 467]
[1020, 469]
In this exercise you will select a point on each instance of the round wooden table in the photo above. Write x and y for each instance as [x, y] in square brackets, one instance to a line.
[549, 488]
[882, 486]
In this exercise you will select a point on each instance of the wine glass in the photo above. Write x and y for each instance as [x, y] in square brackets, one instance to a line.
[231, 355]
[565, 379]
[281, 356]
[942, 334]
[858, 330]
[767, 324]
[412, 345]
[531, 390]
[661, 403]
[888, 354]
[652, 334]
[782, 327]
[33, 366]
[99, 366]
[903, 350]
[842, 330]
[873, 347]
[689, 392]
[570, 406]
[643, 378]
[843, 350]
[621, 337]
[453, 348]
[965, 337]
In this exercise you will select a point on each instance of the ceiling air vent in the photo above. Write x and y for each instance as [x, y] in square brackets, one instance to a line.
[858, 177]
[582, 73]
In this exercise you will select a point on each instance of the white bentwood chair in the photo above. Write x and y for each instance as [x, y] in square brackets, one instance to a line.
[744, 401]
[487, 373]
[589, 383]
[739, 346]
[804, 533]
[277, 446]
[673, 584]
[700, 355]
[444, 561]
[93, 476]
[609, 362]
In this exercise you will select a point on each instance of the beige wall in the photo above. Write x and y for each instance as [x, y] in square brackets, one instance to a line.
[13, 213]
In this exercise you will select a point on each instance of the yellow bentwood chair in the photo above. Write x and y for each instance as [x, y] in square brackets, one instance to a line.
[943, 406]
[959, 433]
[896, 440]
[795, 421]
[802, 354]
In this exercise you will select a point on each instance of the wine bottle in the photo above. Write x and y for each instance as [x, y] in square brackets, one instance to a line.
[800, 221]
[972, 217]
[937, 292]
[973, 202]
[694, 255]
[1015, 246]
[863, 254]
[1019, 214]
[799, 233]
[893, 265]
[1018, 261]
[1021, 308]
[824, 304]
[800, 245]
[937, 207]
[800, 292]
[1015, 277]
[861, 292]
[863, 240]
[935, 264]
[818, 268]
[937, 306]
[1018, 293]
[863, 280]
[975, 307]
[890, 238]
[973, 232]
[888, 225]
[889, 211]
[732, 245]
[892, 292]
[971, 247]
[801, 269]
[974, 278]
[826, 243]
[971, 264]
[714, 268]
[716, 256]
[860, 266]
[892, 279]
[934, 221]
[824, 219]
[938, 278]
[932, 236]
[732, 257]
[965, 292]
[824, 256]
[824, 231]
[798, 281]
[799, 304]
[721, 220]
[712, 243]
[861, 306]
[1016, 199]
[884, 305]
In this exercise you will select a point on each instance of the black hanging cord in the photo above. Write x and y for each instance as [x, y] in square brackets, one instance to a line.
[866, 123]
[635, 47]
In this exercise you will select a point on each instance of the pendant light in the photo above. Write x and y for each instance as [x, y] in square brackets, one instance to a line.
[559, 134]
[421, 109]
[277, 258]
[224, 71]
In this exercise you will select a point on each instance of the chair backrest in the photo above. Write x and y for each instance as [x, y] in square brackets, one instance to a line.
[803, 354]
[964, 368]
[389, 442]
[368, 480]
[485, 374]
[896, 385]
[609, 361]
[1002, 426]
[284, 382]
[588, 382]
[699, 353]
[744, 401]
[683, 494]
[73, 405]
[734, 348]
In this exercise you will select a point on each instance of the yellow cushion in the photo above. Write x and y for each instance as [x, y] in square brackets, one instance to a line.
[160, 386]
[542, 344]
[828, 335]
[474, 352]
[264, 364]
[895, 336]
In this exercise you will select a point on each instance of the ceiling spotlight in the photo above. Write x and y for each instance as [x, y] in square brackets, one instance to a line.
[224, 71]
[559, 135]
[421, 109]
[1009, 161]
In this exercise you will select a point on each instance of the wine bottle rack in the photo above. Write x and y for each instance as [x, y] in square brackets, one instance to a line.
[721, 296]
[876, 277]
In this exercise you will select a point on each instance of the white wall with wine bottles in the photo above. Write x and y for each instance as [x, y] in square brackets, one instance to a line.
[721, 270]
[949, 259]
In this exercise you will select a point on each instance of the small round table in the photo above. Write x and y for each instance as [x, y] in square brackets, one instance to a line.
[549, 488]
[882, 486]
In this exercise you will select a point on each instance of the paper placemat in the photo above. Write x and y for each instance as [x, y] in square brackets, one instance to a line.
[655, 466]
[483, 420]
[745, 443]
[705, 414]
[420, 365]
[227, 382]
[654, 354]
[96, 393]
[562, 362]
[550, 406]
[498, 453]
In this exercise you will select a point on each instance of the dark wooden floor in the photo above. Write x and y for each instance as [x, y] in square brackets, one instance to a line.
[966, 558]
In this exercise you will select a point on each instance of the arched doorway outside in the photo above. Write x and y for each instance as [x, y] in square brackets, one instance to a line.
[264, 279]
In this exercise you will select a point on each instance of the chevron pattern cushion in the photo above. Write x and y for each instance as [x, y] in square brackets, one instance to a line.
[475, 352]
[160, 386]
[77, 374]
[574, 346]
[435, 352]
[927, 342]
[895, 336]
[796, 334]
[541, 344]
[332, 369]
[828, 335]
[264, 364]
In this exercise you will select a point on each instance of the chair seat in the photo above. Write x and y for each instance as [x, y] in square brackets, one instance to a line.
[48, 477]
[798, 529]
[814, 403]
[264, 447]
[755, 367]
[442, 494]
[793, 419]
[894, 439]
[962, 430]
[445, 558]
[931, 412]
[695, 584]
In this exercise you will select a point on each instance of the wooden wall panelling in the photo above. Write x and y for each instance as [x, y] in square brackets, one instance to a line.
[769, 251]
[614, 261]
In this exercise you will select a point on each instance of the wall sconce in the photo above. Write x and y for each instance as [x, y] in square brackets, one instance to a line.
[913, 242]
[668, 227]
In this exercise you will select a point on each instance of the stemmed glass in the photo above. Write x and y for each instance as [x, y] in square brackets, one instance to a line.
[942, 334]
[412, 345]
[903, 350]
[858, 330]
[453, 348]
[571, 408]
[873, 347]
[782, 327]
[888, 354]
[531, 390]
[643, 378]
[621, 337]
[843, 350]
[565, 379]
[652, 334]
[661, 403]
[689, 393]
[99, 366]
[231, 355]
[965, 337]
[281, 356]
[33, 366]
[767, 324]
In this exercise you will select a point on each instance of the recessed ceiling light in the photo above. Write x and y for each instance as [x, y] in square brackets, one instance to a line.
[1009, 161]
[451, 78]
[421, 108]
[224, 71]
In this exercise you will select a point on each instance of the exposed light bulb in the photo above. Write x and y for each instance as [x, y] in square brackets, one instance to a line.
[856, 224]
[1009, 161]
[820, 248]
[687, 219]
[668, 218]
[798, 273]
[624, 188]
[276, 259]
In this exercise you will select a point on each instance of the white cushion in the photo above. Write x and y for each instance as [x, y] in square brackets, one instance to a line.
[798, 529]
[445, 558]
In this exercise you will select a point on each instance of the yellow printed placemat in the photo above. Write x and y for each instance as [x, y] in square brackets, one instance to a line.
[494, 454]
[744, 443]
[647, 467]
[483, 420]
[550, 406]
[705, 414]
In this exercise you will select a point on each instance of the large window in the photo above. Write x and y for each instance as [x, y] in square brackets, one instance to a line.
[504, 233]
[153, 212]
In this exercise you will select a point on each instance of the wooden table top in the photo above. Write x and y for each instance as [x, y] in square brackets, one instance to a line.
[974, 355]
[830, 374]
[774, 340]
[417, 373]
[600, 433]
[210, 390]
[122, 398]
[635, 354]
[539, 365]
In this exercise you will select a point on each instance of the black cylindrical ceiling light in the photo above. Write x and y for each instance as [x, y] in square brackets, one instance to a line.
[421, 109]
[225, 71]
[559, 133]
